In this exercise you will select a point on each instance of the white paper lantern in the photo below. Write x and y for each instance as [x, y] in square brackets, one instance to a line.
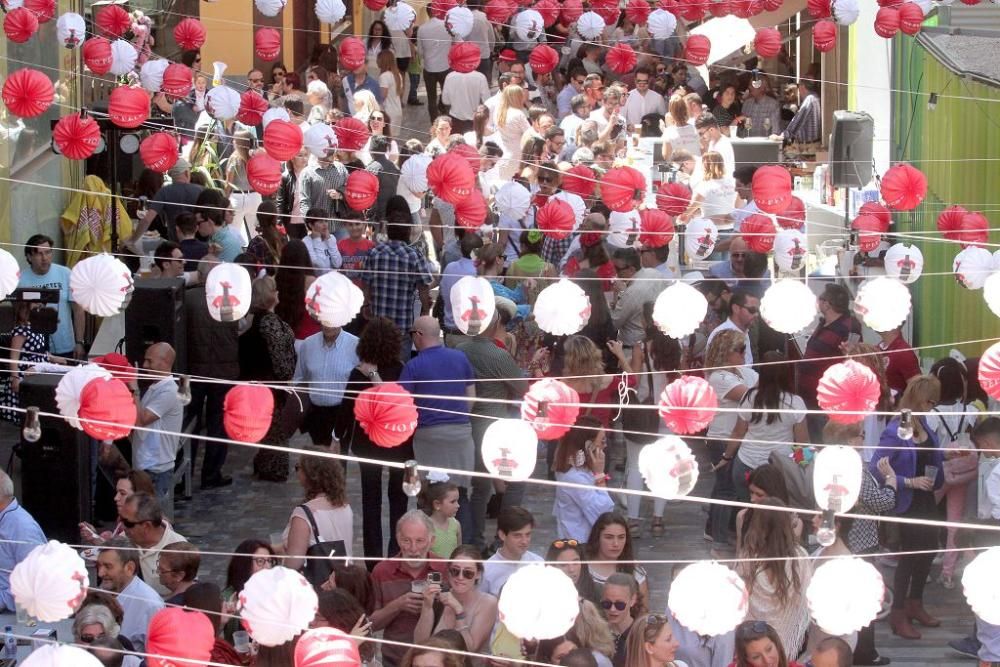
[679, 309]
[708, 598]
[837, 471]
[222, 103]
[509, 450]
[227, 292]
[790, 249]
[576, 203]
[991, 292]
[788, 306]
[926, 5]
[269, 7]
[538, 602]
[10, 5]
[512, 200]
[320, 139]
[700, 237]
[123, 57]
[972, 267]
[883, 303]
[996, 259]
[845, 594]
[413, 173]
[845, 12]
[661, 24]
[69, 388]
[332, 11]
[399, 17]
[668, 467]
[904, 262]
[10, 273]
[334, 300]
[982, 586]
[280, 113]
[590, 25]
[473, 304]
[71, 29]
[100, 284]
[151, 74]
[528, 25]
[60, 655]
[51, 582]
[562, 308]
[459, 21]
[623, 228]
[277, 604]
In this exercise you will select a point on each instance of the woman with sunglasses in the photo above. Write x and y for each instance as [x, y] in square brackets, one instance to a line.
[378, 124]
[460, 605]
[758, 645]
[579, 459]
[651, 643]
[610, 540]
[567, 554]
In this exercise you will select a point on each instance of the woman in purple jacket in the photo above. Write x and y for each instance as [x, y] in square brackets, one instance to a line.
[916, 459]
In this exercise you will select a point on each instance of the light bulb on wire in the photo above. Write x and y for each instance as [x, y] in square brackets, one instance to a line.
[905, 429]
[32, 430]
[411, 479]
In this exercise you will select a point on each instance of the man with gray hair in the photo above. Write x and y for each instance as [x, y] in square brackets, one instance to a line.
[117, 567]
[142, 517]
[398, 584]
[19, 534]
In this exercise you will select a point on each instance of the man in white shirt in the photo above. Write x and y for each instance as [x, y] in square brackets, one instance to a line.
[743, 309]
[712, 139]
[642, 101]
[514, 527]
[608, 114]
[433, 44]
[581, 112]
[462, 93]
[118, 569]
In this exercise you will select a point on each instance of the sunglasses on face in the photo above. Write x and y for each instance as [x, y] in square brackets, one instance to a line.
[617, 604]
[639, 82]
[90, 639]
[131, 524]
[457, 572]
[738, 255]
[562, 544]
[546, 179]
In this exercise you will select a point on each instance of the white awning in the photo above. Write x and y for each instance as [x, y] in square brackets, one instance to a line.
[727, 34]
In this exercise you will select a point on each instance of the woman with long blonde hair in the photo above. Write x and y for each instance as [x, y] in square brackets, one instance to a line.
[651, 643]
[715, 195]
[242, 198]
[512, 123]
[391, 83]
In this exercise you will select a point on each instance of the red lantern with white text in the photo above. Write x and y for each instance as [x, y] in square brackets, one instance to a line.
[159, 151]
[352, 134]
[869, 232]
[267, 43]
[911, 18]
[886, 22]
[352, 53]
[451, 178]
[543, 59]
[470, 213]
[688, 404]
[551, 407]
[77, 137]
[45, 10]
[696, 49]
[767, 42]
[264, 174]
[772, 189]
[387, 414]
[129, 107]
[176, 80]
[361, 190]
[96, 53]
[110, 402]
[825, 35]
[282, 140]
[622, 188]
[326, 647]
[247, 412]
[28, 93]
[758, 232]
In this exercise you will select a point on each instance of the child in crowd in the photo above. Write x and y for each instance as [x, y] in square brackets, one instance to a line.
[439, 500]
[353, 251]
[514, 527]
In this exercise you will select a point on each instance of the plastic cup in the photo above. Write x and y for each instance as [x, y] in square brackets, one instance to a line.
[930, 472]
[418, 586]
[241, 641]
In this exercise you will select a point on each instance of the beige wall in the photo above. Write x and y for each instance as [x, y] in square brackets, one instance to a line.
[230, 32]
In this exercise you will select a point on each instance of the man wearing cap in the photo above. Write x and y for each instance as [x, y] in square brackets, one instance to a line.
[462, 93]
[178, 196]
[433, 44]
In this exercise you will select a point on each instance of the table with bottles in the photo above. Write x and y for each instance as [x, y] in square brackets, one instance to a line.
[24, 628]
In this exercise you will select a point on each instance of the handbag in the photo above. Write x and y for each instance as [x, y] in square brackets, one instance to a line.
[641, 425]
[321, 555]
[960, 470]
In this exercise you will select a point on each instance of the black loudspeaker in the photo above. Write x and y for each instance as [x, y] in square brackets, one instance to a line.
[851, 149]
[756, 151]
[156, 314]
[55, 471]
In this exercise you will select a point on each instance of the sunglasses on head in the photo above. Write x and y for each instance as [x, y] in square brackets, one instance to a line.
[563, 544]
[617, 604]
[751, 628]
[457, 572]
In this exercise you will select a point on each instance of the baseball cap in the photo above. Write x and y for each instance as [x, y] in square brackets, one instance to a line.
[179, 167]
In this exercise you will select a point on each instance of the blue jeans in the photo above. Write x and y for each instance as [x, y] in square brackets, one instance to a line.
[163, 483]
[740, 484]
[720, 516]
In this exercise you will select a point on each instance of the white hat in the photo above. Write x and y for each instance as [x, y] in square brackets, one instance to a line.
[661, 24]
[222, 102]
[151, 74]
[529, 25]
[331, 11]
[590, 25]
[123, 57]
[399, 17]
[459, 21]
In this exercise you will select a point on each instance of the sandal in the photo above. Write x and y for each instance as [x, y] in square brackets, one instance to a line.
[657, 528]
[635, 528]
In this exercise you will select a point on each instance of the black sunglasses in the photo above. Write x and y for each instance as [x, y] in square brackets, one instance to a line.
[90, 639]
[751, 628]
[131, 524]
[457, 572]
[617, 604]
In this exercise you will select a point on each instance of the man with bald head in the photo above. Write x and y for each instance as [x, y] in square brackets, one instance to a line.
[158, 409]
[444, 379]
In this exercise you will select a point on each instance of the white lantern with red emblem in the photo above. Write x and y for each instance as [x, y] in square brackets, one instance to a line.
[510, 448]
[277, 604]
[668, 467]
[679, 309]
[837, 471]
[529, 25]
[10, 273]
[700, 237]
[708, 598]
[982, 586]
[473, 305]
[904, 262]
[459, 21]
[71, 386]
[790, 249]
[333, 300]
[991, 292]
[972, 267]
[512, 200]
[562, 309]
[227, 292]
[788, 306]
[883, 303]
[538, 602]
[399, 17]
[320, 139]
[60, 655]
[845, 594]
[100, 284]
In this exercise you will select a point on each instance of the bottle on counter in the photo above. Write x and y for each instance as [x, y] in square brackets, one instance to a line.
[9, 643]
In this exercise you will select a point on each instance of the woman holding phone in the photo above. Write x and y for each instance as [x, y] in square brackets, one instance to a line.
[579, 459]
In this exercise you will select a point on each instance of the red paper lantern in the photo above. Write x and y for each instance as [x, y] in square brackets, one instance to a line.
[549, 11]
[848, 387]
[96, 53]
[464, 57]
[580, 180]
[185, 635]
[176, 80]
[118, 365]
[20, 24]
[375, 5]
[113, 21]
[688, 404]
[903, 187]
[974, 229]
[949, 222]
[128, 107]
[264, 174]
[189, 34]
[469, 153]
[470, 213]
[499, 11]
[656, 228]
[352, 53]
[44, 10]
[361, 190]
[572, 10]
[543, 59]
[267, 43]
[971, 3]
[989, 371]
[696, 49]
[28, 93]
[825, 36]
[911, 18]
[621, 58]
[886, 22]
[109, 401]
[772, 5]
[352, 134]
[326, 647]
[758, 232]
[673, 198]
[556, 218]
[451, 178]
[282, 139]
[622, 188]
[767, 42]
[77, 138]
[551, 407]
[159, 151]
[247, 412]
[720, 8]
[819, 9]
[869, 232]
[772, 189]
[387, 414]
[637, 11]
[691, 10]
[881, 213]
[607, 10]
[890, 3]
[439, 8]
[743, 9]
[794, 217]
[252, 108]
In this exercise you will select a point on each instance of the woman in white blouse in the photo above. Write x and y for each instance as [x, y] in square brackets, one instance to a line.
[678, 133]
[391, 83]
[322, 479]
[322, 245]
[715, 194]
[512, 123]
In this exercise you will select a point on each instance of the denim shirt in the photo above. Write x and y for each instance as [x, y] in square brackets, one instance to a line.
[20, 534]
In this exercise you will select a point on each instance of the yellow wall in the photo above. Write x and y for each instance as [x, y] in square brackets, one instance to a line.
[230, 36]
